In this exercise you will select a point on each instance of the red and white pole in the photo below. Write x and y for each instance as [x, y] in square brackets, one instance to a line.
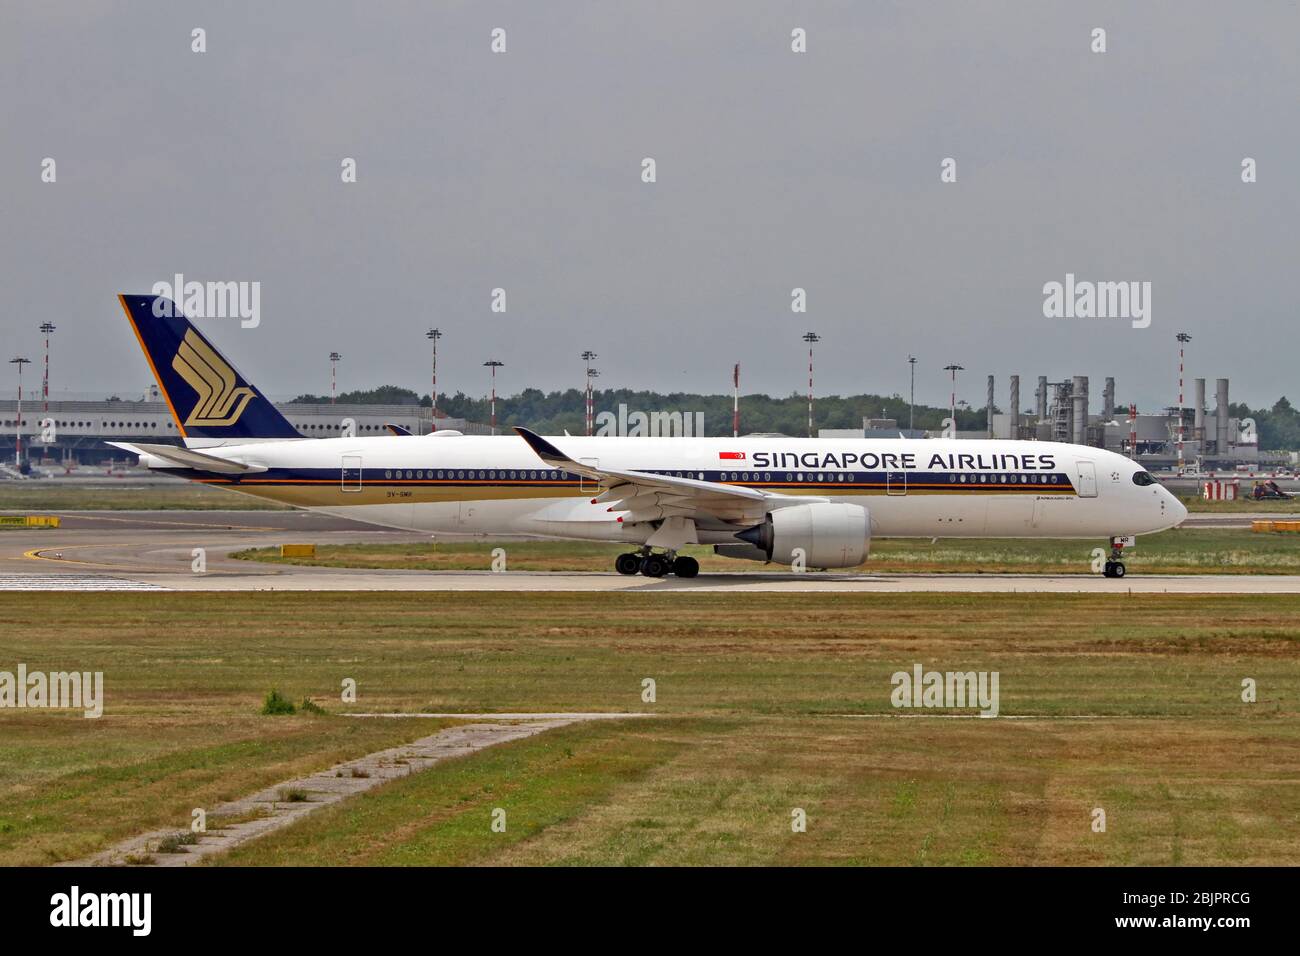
[589, 395]
[18, 432]
[18, 423]
[45, 381]
[493, 364]
[1183, 339]
[810, 391]
[811, 338]
[433, 335]
[1180, 408]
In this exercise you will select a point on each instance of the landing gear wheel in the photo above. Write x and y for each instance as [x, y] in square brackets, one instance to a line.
[1114, 566]
[654, 566]
[627, 563]
[685, 567]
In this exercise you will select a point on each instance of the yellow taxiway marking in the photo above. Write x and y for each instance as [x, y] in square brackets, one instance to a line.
[36, 554]
[176, 524]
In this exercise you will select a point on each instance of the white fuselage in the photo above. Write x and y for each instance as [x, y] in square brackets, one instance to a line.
[911, 488]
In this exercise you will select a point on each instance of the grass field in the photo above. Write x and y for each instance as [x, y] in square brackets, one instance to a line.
[1140, 695]
[1191, 551]
[1240, 506]
[126, 495]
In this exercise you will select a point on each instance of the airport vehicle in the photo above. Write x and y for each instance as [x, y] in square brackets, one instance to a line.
[1269, 491]
[810, 503]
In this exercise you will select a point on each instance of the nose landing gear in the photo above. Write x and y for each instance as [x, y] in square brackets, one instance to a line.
[657, 565]
[1114, 568]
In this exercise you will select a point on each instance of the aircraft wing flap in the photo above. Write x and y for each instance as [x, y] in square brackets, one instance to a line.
[636, 496]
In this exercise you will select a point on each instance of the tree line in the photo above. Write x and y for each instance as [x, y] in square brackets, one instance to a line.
[560, 411]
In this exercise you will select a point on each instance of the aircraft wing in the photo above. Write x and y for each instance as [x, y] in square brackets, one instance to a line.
[643, 496]
[178, 457]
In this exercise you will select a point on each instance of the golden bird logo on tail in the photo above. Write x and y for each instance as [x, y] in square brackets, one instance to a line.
[220, 401]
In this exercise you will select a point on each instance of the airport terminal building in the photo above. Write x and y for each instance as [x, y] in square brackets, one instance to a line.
[76, 432]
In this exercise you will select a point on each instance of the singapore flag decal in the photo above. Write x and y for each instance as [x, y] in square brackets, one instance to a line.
[732, 455]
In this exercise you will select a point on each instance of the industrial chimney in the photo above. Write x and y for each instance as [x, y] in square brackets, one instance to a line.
[1198, 421]
[988, 409]
[1040, 398]
[1079, 396]
[1108, 399]
[1014, 411]
[1221, 390]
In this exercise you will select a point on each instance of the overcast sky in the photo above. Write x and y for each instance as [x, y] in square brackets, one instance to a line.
[775, 170]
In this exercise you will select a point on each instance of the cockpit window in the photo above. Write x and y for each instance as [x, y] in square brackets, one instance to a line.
[1143, 478]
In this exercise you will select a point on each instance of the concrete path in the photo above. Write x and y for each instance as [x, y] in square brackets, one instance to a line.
[280, 805]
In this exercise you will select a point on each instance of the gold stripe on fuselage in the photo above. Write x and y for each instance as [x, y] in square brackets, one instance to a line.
[328, 492]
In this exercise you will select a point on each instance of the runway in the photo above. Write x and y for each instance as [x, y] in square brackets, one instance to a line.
[112, 551]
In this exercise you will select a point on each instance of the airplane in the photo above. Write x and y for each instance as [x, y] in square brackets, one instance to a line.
[809, 503]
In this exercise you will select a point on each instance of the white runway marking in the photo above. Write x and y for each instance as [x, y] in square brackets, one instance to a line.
[335, 579]
[72, 582]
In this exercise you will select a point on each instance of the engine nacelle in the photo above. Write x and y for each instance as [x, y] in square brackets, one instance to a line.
[829, 535]
[741, 552]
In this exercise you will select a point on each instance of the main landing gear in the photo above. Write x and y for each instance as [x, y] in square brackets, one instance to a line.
[1114, 568]
[657, 565]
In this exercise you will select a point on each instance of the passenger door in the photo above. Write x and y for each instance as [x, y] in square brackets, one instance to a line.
[350, 478]
[1087, 479]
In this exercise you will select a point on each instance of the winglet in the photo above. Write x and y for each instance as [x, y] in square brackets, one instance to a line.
[548, 452]
[554, 457]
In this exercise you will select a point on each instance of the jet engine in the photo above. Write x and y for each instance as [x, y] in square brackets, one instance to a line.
[829, 535]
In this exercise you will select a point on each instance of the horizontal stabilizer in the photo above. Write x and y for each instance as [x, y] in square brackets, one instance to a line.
[178, 457]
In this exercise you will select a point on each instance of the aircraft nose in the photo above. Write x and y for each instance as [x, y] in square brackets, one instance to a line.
[1177, 510]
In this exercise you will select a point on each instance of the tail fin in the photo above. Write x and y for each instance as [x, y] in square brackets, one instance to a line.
[206, 395]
